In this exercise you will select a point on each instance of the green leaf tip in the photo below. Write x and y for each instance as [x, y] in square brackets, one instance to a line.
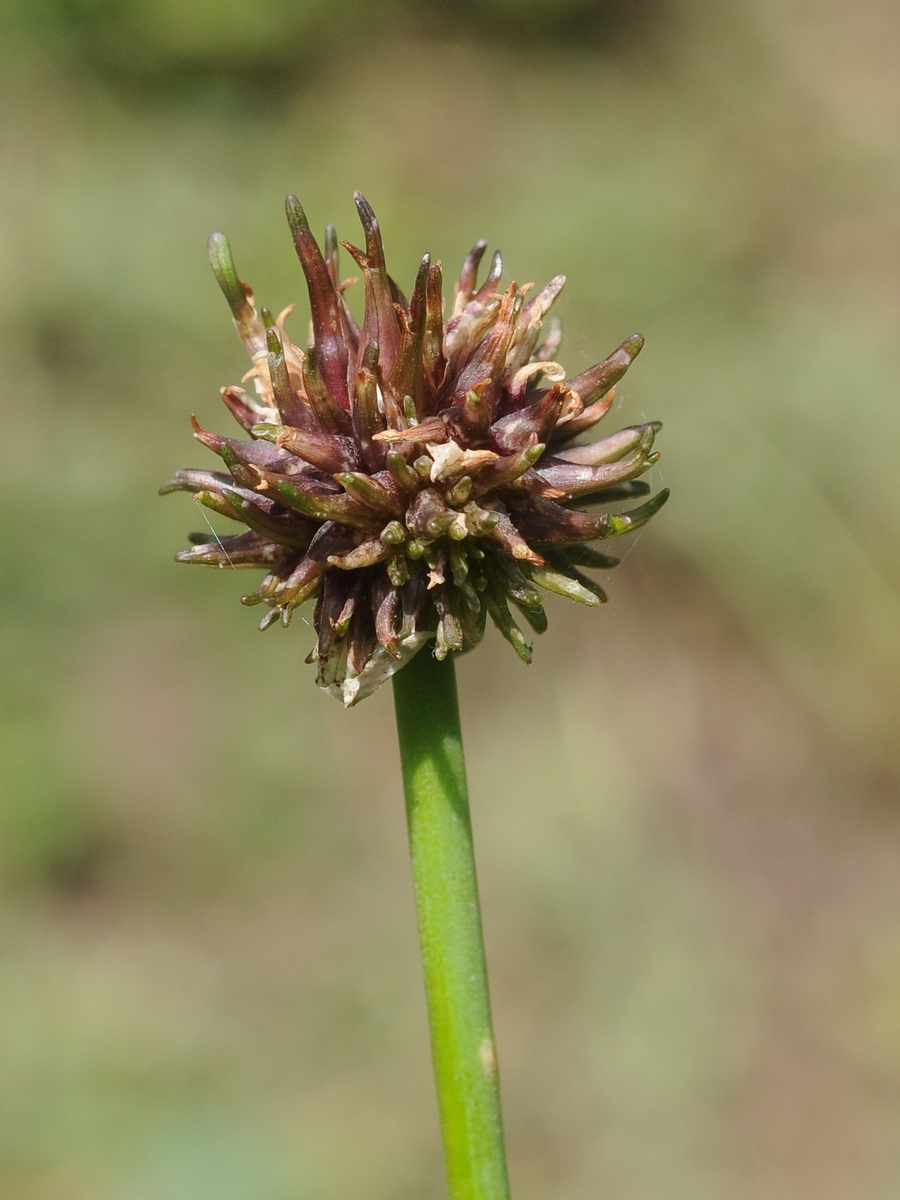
[223, 268]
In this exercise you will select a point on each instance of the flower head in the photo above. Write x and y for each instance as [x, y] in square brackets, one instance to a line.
[414, 475]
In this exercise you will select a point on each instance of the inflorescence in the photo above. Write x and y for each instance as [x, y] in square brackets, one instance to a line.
[414, 474]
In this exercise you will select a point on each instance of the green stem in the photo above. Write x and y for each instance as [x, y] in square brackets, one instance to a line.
[459, 1013]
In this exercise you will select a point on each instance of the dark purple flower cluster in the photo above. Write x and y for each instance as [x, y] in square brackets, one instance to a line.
[414, 474]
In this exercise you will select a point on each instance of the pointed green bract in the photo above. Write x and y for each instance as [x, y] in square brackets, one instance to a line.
[223, 268]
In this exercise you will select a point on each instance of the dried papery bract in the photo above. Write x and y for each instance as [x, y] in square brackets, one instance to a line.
[415, 474]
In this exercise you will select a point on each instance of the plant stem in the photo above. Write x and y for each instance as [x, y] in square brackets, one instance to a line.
[459, 1013]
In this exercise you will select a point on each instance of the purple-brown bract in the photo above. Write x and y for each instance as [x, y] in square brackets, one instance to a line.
[414, 474]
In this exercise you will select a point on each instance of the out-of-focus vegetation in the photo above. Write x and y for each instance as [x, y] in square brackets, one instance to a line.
[686, 810]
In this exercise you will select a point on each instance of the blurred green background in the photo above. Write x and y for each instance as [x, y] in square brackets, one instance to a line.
[686, 811]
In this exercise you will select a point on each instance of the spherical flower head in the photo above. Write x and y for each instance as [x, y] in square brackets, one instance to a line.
[415, 474]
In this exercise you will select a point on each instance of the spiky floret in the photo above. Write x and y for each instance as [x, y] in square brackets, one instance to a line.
[414, 475]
